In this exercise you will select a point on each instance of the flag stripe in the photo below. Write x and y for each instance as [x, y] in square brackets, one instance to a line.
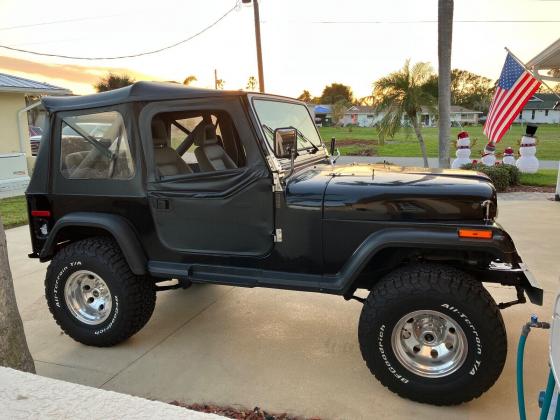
[513, 114]
[508, 102]
[505, 99]
[513, 106]
[514, 89]
[506, 110]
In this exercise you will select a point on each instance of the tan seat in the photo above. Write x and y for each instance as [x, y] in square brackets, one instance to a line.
[209, 153]
[167, 160]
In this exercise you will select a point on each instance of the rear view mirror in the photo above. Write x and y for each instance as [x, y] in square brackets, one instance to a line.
[285, 142]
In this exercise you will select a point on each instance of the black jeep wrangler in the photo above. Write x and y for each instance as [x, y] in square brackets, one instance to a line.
[157, 182]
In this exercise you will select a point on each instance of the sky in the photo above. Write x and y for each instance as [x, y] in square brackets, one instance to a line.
[307, 44]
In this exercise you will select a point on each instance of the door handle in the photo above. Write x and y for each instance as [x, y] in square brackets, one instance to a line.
[162, 204]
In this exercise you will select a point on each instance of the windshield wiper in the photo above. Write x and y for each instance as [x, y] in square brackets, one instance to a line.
[313, 145]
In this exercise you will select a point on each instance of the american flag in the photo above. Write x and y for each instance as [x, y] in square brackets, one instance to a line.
[515, 87]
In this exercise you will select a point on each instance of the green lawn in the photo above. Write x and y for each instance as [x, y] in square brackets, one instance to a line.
[364, 141]
[543, 178]
[13, 211]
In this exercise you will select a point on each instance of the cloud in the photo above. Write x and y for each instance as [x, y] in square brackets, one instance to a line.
[70, 72]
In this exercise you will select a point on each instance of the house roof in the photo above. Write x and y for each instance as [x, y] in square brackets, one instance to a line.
[361, 109]
[543, 101]
[10, 83]
[547, 60]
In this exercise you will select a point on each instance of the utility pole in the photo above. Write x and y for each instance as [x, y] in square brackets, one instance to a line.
[258, 40]
[216, 79]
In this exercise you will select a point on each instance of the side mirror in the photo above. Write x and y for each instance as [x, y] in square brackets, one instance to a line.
[333, 146]
[285, 142]
[332, 156]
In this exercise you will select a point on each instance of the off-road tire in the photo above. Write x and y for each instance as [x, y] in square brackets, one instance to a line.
[133, 297]
[458, 296]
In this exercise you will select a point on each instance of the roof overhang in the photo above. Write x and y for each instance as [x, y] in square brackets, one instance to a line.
[25, 91]
[546, 60]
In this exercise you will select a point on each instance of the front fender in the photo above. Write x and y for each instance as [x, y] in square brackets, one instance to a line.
[500, 246]
[117, 226]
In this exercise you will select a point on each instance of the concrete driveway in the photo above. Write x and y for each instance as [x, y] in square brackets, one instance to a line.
[280, 350]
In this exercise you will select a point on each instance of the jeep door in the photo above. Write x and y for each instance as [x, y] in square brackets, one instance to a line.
[209, 188]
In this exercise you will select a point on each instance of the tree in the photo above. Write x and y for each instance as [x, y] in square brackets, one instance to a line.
[467, 89]
[403, 94]
[305, 96]
[252, 83]
[336, 92]
[189, 79]
[338, 109]
[220, 83]
[445, 34]
[113, 81]
[14, 352]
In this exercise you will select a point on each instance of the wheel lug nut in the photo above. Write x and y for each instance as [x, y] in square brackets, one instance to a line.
[90, 300]
[434, 353]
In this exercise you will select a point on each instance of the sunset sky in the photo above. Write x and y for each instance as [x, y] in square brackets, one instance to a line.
[306, 44]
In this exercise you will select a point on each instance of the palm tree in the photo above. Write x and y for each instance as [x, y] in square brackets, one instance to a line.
[113, 81]
[220, 83]
[402, 94]
[189, 79]
[445, 32]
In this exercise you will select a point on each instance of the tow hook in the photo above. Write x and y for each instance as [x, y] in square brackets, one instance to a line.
[520, 299]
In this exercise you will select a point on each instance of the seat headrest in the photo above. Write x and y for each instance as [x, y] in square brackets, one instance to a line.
[160, 136]
[205, 134]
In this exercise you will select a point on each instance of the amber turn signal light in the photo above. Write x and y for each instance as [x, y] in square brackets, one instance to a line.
[475, 234]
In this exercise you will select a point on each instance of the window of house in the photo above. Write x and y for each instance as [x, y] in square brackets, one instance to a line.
[95, 146]
[533, 114]
[189, 142]
[521, 115]
[546, 112]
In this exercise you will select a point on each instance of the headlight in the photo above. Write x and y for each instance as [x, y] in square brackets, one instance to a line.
[554, 345]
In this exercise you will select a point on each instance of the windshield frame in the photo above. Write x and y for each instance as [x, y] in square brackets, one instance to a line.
[313, 151]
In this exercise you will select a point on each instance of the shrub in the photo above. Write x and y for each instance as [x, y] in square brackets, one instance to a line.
[502, 176]
[514, 174]
[499, 176]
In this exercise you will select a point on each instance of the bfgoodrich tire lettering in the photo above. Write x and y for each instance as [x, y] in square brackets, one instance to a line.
[457, 296]
[132, 297]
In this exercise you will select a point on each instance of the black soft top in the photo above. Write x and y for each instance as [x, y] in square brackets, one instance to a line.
[139, 91]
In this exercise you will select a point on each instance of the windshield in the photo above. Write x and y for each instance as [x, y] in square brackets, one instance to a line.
[273, 115]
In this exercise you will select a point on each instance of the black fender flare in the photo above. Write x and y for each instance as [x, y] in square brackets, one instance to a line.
[501, 246]
[117, 226]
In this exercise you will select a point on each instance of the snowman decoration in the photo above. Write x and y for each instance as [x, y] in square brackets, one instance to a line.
[508, 159]
[463, 152]
[528, 162]
[489, 155]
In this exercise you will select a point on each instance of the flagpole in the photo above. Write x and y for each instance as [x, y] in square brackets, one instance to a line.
[535, 74]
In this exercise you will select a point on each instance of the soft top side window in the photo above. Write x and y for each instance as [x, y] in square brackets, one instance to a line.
[187, 142]
[95, 146]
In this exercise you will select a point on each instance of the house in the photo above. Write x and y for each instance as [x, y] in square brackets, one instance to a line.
[460, 116]
[362, 116]
[542, 108]
[15, 93]
[18, 96]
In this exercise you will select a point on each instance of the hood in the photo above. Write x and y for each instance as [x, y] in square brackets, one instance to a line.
[383, 192]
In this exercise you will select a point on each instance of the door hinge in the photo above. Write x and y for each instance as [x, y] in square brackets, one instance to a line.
[276, 183]
[277, 235]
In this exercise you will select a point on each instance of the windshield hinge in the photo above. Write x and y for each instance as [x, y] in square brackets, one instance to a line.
[276, 173]
[277, 235]
[276, 184]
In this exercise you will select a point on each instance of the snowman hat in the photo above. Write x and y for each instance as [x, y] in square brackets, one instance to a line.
[531, 130]
[462, 135]
[508, 151]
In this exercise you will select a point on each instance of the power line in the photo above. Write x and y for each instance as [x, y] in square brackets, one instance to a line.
[54, 22]
[397, 22]
[130, 55]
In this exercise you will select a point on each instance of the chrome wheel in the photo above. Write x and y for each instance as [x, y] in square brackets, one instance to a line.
[87, 297]
[429, 344]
